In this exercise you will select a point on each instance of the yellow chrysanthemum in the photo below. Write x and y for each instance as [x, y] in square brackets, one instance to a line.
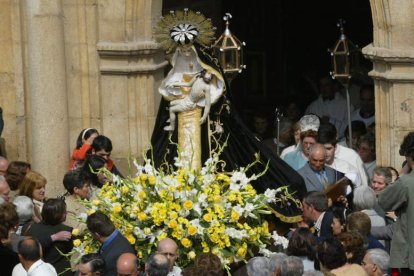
[234, 215]
[77, 243]
[76, 232]
[96, 202]
[131, 239]
[191, 255]
[188, 205]
[152, 180]
[186, 242]
[173, 215]
[208, 217]
[143, 177]
[241, 252]
[142, 195]
[147, 231]
[117, 209]
[172, 224]
[142, 216]
[124, 189]
[162, 236]
[192, 230]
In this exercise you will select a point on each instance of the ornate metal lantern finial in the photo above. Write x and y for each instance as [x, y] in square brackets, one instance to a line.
[344, 56]
[229, 50]
[344, 61]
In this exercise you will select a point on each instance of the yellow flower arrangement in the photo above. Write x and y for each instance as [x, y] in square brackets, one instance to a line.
[204, 211]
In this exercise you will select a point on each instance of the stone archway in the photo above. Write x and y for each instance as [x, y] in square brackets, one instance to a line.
[392, 55]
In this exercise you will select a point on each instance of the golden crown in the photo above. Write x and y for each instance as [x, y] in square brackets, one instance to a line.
[183, 28]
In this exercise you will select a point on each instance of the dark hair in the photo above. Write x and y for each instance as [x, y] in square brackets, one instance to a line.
[102, 143]
[157, 265]
[331, 253]
[83, 135]
[53, 211]
[302, 243]
[8, 216]
[327, 134]
[392, 169]
[339, 213]
[100, 223]
[353, 242]
[29, 249]
[15, 173]
[93, 163]
[357, 127]
[317, 200]
[208, 264]
[96, 261]
[369, 139]
[407, 146]
[74, 179]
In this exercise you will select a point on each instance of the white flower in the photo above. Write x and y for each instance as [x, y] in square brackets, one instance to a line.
[202, 198]
[139, 233]
[270, 195]
[178, 162]
[197, 208]
[239, 178]
[280, 240]
[238, 209]
[148, 168]
[265, 252]
[208, 178]
[248, 208]
[236, 234]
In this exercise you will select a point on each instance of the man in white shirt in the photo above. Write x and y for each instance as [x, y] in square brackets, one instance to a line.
[168, 248]
[366, 113]
[31, 264]
[345, 154]
[315, 211]
[330, 106]
[327, 136]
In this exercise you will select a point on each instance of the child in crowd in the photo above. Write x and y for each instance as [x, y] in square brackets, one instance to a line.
[83, 145]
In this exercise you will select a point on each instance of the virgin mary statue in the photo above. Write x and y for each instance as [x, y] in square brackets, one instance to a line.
[187, 34]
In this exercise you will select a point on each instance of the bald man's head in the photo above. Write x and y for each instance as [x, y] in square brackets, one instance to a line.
[168, 248]
[127, 264]
[317, 157]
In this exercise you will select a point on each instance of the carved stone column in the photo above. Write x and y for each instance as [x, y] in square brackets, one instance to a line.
[392, 55]
[131, 69]
[48, 111]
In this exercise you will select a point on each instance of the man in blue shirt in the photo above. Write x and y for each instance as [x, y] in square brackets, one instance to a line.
[113, 242]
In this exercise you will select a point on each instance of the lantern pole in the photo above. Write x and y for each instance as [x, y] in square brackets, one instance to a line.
[343, 78]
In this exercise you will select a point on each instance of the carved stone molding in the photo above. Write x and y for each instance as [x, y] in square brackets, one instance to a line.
[128, 58]
[394, 65]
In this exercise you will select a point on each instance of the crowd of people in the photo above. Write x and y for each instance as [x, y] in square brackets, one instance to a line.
[366, 231]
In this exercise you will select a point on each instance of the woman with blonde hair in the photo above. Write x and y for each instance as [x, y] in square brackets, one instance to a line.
[34, 186]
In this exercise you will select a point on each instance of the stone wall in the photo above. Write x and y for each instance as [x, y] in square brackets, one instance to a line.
[68, 65]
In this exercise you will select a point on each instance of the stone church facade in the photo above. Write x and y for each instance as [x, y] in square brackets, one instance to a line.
[71, 64]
